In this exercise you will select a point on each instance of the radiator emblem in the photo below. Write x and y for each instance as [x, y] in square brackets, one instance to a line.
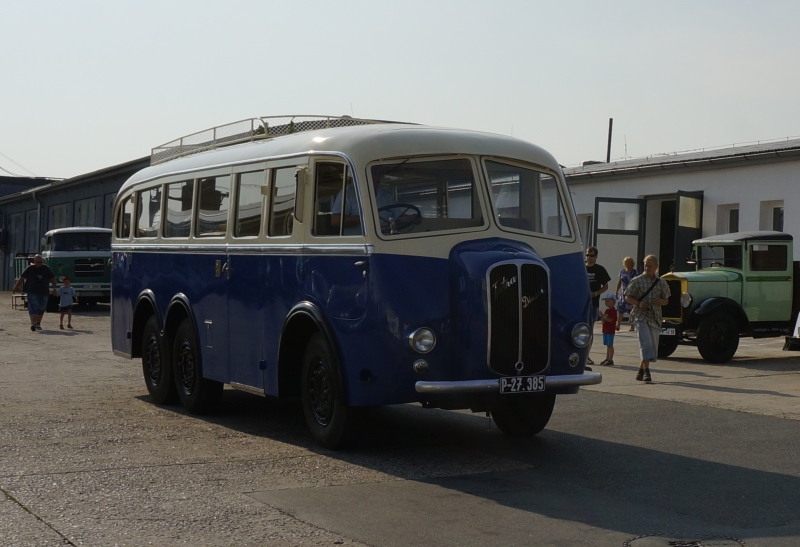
[528, 300]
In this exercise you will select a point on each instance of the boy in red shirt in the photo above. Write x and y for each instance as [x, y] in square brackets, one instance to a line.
[609, 327]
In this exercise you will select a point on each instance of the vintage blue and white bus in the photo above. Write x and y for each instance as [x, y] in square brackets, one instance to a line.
[353, 263]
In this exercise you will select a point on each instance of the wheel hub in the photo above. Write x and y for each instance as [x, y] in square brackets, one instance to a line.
[320, 392]
[152, 357]
[186, 367]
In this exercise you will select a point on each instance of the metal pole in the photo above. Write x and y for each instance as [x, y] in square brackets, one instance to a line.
[608, 151]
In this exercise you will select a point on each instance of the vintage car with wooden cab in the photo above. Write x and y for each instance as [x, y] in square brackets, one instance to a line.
[744, 285]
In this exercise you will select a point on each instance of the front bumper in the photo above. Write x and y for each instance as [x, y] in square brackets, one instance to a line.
[493, 386]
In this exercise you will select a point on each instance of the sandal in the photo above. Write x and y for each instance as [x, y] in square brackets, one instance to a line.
[589, 362]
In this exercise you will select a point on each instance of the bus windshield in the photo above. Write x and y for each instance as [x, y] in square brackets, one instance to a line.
[82, 241]
[426, 196]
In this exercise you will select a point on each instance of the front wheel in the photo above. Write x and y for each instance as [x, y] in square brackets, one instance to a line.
[327, 416]
[520, 415]
[199, 395]
[157, 364]
[717, 338]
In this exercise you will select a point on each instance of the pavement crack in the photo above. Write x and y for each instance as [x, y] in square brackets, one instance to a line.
[22, 506]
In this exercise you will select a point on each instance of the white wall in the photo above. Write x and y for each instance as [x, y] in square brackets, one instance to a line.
[746, 185]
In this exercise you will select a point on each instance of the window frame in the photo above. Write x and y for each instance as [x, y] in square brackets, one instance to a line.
[479, 194]
[574, 230]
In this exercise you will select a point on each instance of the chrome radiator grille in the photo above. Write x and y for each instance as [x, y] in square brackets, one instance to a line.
[519, 319]
[90, 267]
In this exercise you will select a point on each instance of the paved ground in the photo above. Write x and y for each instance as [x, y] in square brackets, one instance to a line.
[707, 452]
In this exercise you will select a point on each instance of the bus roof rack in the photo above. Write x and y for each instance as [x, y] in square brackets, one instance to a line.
[251, 129]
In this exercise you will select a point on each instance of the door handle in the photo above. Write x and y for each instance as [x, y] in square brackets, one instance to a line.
[360, 263]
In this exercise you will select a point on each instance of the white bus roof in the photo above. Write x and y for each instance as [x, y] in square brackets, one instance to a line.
[362, 144]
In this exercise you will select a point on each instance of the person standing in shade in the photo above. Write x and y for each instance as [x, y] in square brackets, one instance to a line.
[647, 293]
[598, 283]
[36, 277]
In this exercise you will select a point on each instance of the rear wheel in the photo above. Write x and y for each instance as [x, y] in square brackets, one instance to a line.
[523, 415]
[199, 395]
[157, 364]
[667, 346]
[327, 416]
[717, 338]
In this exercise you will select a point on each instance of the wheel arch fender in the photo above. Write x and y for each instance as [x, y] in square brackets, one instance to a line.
[720, 303]
[144, 308]
[179, 308]
[301, 323]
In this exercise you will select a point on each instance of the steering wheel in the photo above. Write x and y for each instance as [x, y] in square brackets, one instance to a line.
[404, 221]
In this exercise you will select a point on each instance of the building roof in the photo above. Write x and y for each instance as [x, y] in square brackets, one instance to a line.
[707, 158]
[745, 236]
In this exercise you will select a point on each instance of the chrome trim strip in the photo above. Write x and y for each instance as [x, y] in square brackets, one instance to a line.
[493, 386]
[355, 249]
[122, 354]
[248, 389]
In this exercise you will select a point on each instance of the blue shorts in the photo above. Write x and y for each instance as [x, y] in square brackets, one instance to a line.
[608, 339]
[37, 303]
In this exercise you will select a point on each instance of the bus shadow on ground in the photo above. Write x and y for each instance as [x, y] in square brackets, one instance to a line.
[445, 461]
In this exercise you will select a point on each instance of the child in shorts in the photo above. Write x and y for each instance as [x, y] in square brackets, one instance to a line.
[609, 319]
[67, 296]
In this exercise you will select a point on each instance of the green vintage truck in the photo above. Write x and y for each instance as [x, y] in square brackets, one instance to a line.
[82, 254]
[745, 284]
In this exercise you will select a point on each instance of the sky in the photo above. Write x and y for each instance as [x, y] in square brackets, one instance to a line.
[85, 85]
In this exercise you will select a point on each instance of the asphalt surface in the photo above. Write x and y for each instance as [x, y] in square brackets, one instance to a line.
[707, 453]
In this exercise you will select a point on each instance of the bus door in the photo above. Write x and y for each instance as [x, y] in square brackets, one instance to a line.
[247, 285]
[210, 272]
[336, 264]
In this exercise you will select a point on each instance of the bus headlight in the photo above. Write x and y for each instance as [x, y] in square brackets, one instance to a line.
[422, 340]
[686, 299]
[581, 335]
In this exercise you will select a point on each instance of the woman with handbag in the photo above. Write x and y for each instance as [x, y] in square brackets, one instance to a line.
[647, 293]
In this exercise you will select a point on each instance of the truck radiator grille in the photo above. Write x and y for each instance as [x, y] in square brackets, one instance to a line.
[90, 267]
[673, 309]
[519, 319]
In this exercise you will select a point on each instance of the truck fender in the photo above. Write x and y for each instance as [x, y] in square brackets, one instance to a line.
[720, 303]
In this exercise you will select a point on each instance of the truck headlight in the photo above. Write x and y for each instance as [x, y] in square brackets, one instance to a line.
[686, 299]
[581, 335]
[422, 340]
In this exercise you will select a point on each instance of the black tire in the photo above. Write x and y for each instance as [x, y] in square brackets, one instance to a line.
[197, 394]
[523, 415]
[667, 346]
[718, 338]
[157, 365]
[327, 416]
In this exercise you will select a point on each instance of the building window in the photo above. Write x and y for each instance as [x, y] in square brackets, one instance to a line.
[86, 212]
[777, 219]
[771, 215]
[733, 220]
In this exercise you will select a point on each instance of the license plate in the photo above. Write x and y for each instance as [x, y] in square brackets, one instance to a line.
[522, 384]
[668, 332]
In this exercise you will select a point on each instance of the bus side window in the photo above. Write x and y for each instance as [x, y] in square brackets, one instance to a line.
[212, 206]
[330, 194]
[179, 209]
[124, 223]
[284, 188]
[250, 204]
[149, 219]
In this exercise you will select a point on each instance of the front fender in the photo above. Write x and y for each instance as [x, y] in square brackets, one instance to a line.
[718, 303]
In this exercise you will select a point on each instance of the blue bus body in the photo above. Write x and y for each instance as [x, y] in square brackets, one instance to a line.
[492, 300]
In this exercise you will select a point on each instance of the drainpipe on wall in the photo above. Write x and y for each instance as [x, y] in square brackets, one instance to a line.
[38, 219]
